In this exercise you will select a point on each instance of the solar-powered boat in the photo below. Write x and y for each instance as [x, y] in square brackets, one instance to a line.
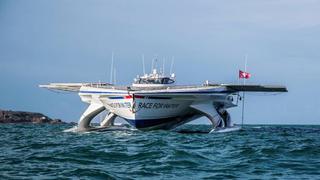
[154, 101]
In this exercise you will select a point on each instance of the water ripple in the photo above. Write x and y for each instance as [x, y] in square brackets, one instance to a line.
[46, 152]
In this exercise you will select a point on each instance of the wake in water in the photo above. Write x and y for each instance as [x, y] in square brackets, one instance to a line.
[118, 127]
[125, 127]
[225, 130]
[75, 129]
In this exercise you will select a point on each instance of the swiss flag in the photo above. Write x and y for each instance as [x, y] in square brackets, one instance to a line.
[244, 75]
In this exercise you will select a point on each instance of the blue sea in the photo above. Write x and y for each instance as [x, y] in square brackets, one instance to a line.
[30, 151]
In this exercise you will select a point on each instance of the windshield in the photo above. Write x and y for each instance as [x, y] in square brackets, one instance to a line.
[155, 81]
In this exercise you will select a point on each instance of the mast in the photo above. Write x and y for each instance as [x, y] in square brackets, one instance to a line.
[143, 66]
[152, 65]
[114, 76]
[171, 67]
[111, 70]
[163, 66]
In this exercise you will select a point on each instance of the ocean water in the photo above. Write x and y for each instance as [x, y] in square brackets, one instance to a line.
[256, 152]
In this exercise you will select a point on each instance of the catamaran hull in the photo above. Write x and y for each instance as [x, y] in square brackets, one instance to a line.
[165, 123]
[146, 113]
[157, 111]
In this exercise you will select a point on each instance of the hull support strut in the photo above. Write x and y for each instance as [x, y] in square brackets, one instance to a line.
[108, 120]
[94, 109]
[209, 110]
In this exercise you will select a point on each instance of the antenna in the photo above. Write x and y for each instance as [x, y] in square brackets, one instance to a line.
[144, 68]
[152, 65]
[114, 76]
[172, 62]
[163, 66]
[111, 71]
[155, 63]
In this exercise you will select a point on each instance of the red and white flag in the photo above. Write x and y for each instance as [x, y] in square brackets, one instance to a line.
[244, 75]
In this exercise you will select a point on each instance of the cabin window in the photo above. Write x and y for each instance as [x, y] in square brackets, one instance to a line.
[167, 81]
[155, 81]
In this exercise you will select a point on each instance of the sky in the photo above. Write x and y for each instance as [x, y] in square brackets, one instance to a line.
[43, 41]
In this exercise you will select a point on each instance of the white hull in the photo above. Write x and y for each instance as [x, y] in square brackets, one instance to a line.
[158, 109]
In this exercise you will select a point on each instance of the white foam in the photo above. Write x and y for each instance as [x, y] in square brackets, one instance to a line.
[73, 129]
[258, 127]
[119, 127]
[224, 130]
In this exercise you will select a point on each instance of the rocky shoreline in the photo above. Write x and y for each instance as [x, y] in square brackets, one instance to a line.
[7, 116]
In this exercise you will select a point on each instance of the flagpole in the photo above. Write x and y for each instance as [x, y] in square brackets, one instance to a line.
[243, 93]
[243, 96]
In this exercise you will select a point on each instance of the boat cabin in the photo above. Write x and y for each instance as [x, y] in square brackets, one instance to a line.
[153, 80]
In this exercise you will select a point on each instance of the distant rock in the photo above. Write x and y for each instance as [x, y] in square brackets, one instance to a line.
[26, 117]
